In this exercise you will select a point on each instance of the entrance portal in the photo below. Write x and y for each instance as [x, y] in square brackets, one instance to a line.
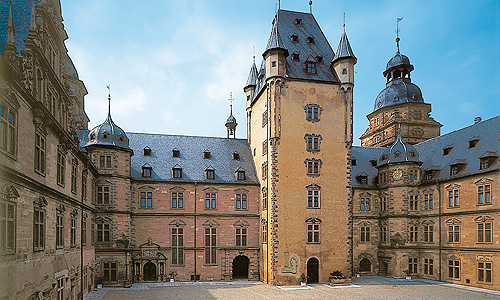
[240, 267]
[383, 268]
[365, 265]
[313, 270]
[149, 272]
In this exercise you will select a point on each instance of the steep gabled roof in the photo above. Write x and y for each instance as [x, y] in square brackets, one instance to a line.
[252, 76]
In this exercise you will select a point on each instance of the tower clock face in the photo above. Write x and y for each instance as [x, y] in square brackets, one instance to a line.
[397, 174]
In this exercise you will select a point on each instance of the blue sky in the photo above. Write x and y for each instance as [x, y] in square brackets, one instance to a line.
[172, 64]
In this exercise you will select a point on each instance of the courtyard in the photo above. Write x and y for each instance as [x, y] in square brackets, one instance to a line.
[361, 288]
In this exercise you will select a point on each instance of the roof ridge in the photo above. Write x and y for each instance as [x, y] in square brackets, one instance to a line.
[184, 135]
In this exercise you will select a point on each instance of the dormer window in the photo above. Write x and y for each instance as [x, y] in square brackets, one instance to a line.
[210, 173]
[147, 151]
[294, 37]
[447, 150]
[120, 137]
[104, 135]
[362, 178]
[383, 157]
[311, 67]
[240, 174]
[236, 156]
[92, 137]
[473, 143]
[206, 154]
[319, 58]
[487, 160]
[310, 39]
[298, 21]
[413, 154]
[457, 166]
[397, 154]
[176, 152]
[483, 163]
[147, 170]
[373, 162]
[429, 175]
[353, 162]
[177, 171]
[295, 56]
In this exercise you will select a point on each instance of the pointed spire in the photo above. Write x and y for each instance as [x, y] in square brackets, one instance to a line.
[109, 101]
[252, 76]
[33, 16]
[275, 41]
[10, 44]
[344, 49]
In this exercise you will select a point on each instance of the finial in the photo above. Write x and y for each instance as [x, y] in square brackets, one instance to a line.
[109, 100]
[344, 22]
[397, 32]
[253, 54]
[231, 102]
[310, 6]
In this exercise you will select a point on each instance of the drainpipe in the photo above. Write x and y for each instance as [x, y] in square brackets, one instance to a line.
[194, 218]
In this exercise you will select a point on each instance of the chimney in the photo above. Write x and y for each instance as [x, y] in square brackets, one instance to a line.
[477, 120]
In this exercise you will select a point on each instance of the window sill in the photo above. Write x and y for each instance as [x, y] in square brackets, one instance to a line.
[40, 173]
[210, 208]
[483, 204]
[59, 247]
[177, 208]
[309, 207]
[210, 265]
[145, 207]
[38, 249]
[313, 243]
[241, 209]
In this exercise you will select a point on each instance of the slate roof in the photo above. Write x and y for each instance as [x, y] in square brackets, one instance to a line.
[108, 134]
[21, 10]
[344, 49]
[431, 152]
[399, 151]
[284, 26]
[252, 76]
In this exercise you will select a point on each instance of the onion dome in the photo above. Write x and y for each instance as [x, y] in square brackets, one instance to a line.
[108, 133]
[400, 151]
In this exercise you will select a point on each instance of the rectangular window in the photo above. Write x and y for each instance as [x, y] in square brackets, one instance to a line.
[484, 232]
[428, 201]
[428, 266]
[264, 198]
[365, 234]
[413, 265]
[454, 269]
[60, 288]
[241, 236]
[313, 167]
[177, 200]
[264, 147]
[313, 198]
[40, 145]
[484, 272]
[61, 165]
[7, 226]
[413, 234]
[146, 199]
[105, 161]
[84, 235]
[110, 271]
[84, 277]
[72, 232]
[453, 198]
[365, 204]
[383, 203]
[264, 232]
[264, 170]
[428, 233]
[413, 202]
[210, 200]
[103, 233]
[84, 185]
[74, 169]
[177, 246]
[313, 142]
[38, 229]
[8, 127]
[313, 233]
[484, 194]
[210, 246]
[264, 118]
[59, 231]
[241, 201]
[383, 233]
[453, 233]
[103, 195]
[311, 68]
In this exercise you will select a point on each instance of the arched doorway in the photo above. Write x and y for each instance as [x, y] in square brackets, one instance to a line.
[365, 265]
[313, 270]
[149, 271]
[383, 268]
[240, 267]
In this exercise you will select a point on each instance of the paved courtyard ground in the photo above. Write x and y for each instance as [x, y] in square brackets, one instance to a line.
[361, 288]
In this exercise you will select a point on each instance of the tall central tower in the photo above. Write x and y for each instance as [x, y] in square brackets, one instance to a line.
[299, 125]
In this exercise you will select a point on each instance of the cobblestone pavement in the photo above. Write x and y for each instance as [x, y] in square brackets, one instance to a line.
[361, 288]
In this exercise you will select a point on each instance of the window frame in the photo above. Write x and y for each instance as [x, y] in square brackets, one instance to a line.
[412, 265]
[210, 200]
[365, 233]
[313, 196]
[72, 231]
[313, 232]
[103, 194]
[61, 168]
[39, 226]
[103, 233]
[8, 132]
[313, 167]
[453, 197]
[241, 201]
[454, 269]
[110, 271]
[59, 230]
[364, 204]
[484, 194]
[105, 161]
[8, 218]
[177, 199]
[483, 270]
[241, 237]
[177, 245]
[313, 112]
[428, 266]
[484, 234]
[74, 175]
[428, 233]
[146, 198]
[210, 251]
[40, 161]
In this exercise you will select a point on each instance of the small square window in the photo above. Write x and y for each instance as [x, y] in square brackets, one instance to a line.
[147, 151]
[447, 151]
[236, 156]
[176, 153]
[295, 56]
[207, 154]
[273, 63]
[310, 39]
[473, 143]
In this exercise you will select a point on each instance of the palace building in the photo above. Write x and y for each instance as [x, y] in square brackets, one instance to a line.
[293, 201]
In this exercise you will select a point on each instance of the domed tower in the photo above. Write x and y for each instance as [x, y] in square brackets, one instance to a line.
[399, 105]
[108, 148]
[231, 121]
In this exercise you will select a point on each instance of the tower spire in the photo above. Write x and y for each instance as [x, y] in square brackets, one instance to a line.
[344, 22]
[33, 16]
[397, 32]
[10, 44]
[109, 100]
[231, 103]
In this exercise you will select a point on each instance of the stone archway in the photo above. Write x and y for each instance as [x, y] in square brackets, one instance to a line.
[365, 265]
[149, 271]
[313, 270]
[241, 264]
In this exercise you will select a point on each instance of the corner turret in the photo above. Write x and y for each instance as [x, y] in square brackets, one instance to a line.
[344, 60]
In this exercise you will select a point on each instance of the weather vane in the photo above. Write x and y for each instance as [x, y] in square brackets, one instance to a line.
[231, 102]
[109, 98]
[310, 6]
[397, 31]
[344, 22]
